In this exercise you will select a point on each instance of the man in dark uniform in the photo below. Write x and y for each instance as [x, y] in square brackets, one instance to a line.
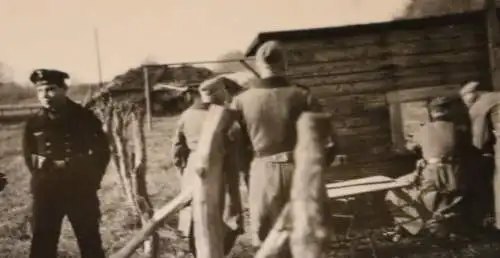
[66, 152]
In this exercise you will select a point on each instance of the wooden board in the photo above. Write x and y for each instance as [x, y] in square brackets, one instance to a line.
[468, 30]
[332, 87]
[421, 48]
[363, 186]
[367, 130]
[476, 54]
[398, 78]
[399, 96]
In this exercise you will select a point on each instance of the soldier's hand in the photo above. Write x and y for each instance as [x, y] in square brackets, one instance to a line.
[3, 181]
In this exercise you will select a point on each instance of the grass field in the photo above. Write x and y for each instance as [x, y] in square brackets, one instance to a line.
[163, 183]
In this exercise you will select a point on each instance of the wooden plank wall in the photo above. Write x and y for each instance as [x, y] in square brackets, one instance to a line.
[351, 75]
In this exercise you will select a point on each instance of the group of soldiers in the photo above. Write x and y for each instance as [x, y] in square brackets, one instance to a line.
[259, 145]
[67, 152]
[456, 184]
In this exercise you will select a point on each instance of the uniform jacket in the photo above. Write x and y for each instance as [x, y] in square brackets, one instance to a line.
[268, 112]
[444, 140]
[187, 133]
[75, 136]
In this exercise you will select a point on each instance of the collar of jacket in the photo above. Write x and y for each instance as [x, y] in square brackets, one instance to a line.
[272, 82]
[67, 109]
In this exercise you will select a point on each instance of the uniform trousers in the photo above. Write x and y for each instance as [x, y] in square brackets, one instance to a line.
[50, 206]
[270, 185]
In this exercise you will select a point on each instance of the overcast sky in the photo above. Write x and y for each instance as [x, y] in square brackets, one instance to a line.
[59, 33]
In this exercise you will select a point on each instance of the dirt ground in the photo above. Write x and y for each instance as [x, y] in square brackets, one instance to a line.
[163, 184]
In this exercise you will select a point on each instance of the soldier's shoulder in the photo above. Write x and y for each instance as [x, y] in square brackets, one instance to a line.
[243, 95]
[82, 109]
[85, 114]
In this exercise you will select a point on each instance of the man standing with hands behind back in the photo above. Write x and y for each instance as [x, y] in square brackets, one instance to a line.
[66, 152]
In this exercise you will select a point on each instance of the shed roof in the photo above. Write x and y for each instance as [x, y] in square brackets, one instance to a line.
[351, 30]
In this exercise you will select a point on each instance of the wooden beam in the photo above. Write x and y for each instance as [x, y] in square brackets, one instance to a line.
[278, 236]
[200, 62]
[147, 95]
[308, 194]
[248, 67]
[171, 207]
[492, 31]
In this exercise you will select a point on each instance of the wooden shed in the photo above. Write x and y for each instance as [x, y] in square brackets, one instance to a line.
[376, 79]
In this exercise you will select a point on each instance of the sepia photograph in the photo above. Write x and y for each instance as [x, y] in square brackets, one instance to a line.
[249, 129]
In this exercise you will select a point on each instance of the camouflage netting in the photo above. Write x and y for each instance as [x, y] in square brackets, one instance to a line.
[129, 86]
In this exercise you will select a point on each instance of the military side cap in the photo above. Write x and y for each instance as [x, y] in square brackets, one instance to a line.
[469, 87]
[47, 76]
[271, 52]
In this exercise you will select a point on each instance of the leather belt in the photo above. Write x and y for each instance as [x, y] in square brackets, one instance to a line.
[285, 156]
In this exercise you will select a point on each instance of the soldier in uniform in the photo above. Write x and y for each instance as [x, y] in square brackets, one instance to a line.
[180, 148]
[267, 113]
[66, 152]
[484, 111]
[187, 135]
[434, 198]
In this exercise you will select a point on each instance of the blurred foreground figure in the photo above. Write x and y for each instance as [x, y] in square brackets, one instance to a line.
[267, 113]
[432, 204]
[211, 92]
[67, 153]
[484, 111]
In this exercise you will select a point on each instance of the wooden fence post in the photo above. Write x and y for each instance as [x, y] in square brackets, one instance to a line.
[147, 95]
[208, 189]
[302, 219]
[308, 194]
